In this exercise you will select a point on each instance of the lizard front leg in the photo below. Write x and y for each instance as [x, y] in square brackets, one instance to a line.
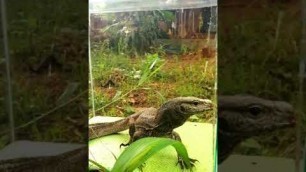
[131, 133]
[174, 135]
[135, 134]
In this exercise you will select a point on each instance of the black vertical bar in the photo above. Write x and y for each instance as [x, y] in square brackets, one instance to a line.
[8, 72]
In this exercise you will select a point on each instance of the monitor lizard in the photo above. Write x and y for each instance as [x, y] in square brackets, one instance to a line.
[154, 122]
[241, 117]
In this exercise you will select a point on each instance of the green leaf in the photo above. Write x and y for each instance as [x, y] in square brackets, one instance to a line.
[98, 165]
[117, 95]
[141, 150]
[67, 94]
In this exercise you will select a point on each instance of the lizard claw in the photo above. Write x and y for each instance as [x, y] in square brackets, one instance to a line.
[183, 165]
[122, 144]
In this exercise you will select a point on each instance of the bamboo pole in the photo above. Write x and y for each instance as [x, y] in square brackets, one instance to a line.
[90, 69]
[8, 74]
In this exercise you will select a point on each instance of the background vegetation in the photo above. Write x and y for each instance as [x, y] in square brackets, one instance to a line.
[48, 49]
[259, 55]
[142, 72]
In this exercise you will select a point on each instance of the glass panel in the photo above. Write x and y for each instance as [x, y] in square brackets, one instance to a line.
[144, 55]
[107, 6]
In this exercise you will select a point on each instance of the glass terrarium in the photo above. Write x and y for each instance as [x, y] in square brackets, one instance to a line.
[144, 55]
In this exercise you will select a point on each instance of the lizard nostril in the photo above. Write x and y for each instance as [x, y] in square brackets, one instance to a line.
[292, 120]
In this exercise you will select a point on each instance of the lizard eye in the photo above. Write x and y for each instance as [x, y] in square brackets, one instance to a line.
[255, 110]
[195, 103]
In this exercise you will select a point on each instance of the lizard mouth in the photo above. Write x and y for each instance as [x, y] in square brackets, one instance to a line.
[223, 127]
[278, 126]
[291, 122]
[286, 125]
[207, 105]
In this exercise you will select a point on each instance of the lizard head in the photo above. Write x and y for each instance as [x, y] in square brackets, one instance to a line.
[189, 105]
[250, 116]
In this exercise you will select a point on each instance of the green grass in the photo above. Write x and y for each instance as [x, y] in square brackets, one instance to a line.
[34, 35]
[182, 75]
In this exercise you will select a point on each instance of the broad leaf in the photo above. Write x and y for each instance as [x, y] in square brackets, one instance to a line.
[140, 151]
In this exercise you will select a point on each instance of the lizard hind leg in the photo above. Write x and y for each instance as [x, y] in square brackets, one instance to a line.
[131, 133]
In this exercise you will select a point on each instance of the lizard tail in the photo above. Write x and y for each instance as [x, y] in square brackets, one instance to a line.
[103, 129]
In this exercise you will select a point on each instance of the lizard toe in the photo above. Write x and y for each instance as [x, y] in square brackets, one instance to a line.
[122, 144]
[183, 164]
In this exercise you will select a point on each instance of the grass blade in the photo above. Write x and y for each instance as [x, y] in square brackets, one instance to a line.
[98, 165]
[67, 94]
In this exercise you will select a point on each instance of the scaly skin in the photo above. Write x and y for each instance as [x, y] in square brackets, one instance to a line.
[154, 122]
[241, 117]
